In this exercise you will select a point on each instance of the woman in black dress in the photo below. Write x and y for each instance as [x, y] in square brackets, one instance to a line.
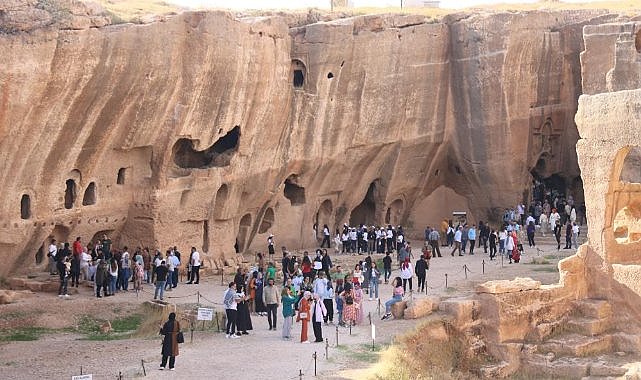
[260, 305]
[170, 342]
[244, 320]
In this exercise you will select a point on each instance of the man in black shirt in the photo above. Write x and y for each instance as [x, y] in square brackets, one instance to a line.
[387, 266]
[161, 277]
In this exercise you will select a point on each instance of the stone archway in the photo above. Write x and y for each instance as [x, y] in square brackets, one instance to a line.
[222, 195]
[244, 228]
[324, 215]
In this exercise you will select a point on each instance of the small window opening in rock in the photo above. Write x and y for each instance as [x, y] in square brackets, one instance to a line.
[437, 172]
[220, 201]
[217, 155]
[294, 192]
[220, 130]
[243, 232]
[70, 193]
[330, 75]
[25, 207]
[458, 170]
[260, 34]
[121, 176]
[90, 195]
[637, 41]
[342, 63]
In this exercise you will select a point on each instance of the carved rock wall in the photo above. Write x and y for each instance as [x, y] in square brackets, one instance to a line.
[208, 130]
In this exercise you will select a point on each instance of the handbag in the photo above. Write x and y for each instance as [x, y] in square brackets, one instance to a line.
[180, 338]
[302, 315]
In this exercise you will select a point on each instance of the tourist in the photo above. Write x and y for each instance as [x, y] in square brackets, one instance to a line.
[374, 278]
[434, 238]
[285, 266]
[389, 236]
[170, 330]
[387, 267]
[76, 261]
[358, 303]
[339, 300]
[557, 234]
[471, 236]
[531, 229]
[338, 243]
[113, 277]
[568, 235]
[575, 235]
[304, 315]
[230, 303]
[320, 284]
[318, 315]
[516, 251]
[260, 261]
[349, 307]
[357, 275]
[161, 279]
[510, 244]
[138, 275]
[243, 318]
[421, 272]
[64, 271]
[328, 300]
[397, 296]
[407, 274]
[146, 259]
[170, 270]
[457, 241]
[288, 301]
[270, 247]
[345, 241]
[260, 305]
[554, 217]
[175, 262]
[105, 245]
[85, 260]
[502, 240]
[353, 239]
[318, 263]
[53, 251]
[326, 235]
[271, 298]
[327, 264]
[543, 222]
[451, 233]
[101, 278]
[195, 267]
[484, 233]
[492, 240]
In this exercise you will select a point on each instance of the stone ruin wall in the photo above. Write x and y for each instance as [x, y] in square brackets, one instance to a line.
[192, 130]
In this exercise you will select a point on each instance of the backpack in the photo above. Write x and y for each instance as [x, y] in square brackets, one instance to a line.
[349, 299]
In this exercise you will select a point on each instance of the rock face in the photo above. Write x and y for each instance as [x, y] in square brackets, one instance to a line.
[212, 131]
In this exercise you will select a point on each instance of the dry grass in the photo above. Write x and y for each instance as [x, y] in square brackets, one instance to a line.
[132, 10]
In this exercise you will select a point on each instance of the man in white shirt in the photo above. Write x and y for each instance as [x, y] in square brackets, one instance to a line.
[230, 302]
[458, 235]
[53, 251]
[195, 266]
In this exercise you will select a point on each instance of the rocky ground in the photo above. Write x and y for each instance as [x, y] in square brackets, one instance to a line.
[63, 348]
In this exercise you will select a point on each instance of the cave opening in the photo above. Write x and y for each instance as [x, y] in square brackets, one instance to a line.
[365, 212]
[221, 200]
[120, 180]
[294, 192]
[90, 195]
[217, 155]
[206, 236]
[637, 41]
[299, 72]
[631, 170]
[25, 207]
[70, 193]
[330, 75]
[324, 214]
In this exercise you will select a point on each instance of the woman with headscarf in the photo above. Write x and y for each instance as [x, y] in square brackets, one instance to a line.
[244, 321]
[406, 273]
[261, 309]
[358, 303]
[350, 314]
[304, 316]
[170, 330]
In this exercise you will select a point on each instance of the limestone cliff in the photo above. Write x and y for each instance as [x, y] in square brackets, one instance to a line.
[208, 129]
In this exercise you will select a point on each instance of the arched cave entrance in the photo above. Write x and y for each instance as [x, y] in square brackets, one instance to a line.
[206, 236]
[394, 212]
[98, 236]
[221, 200]
[631, 170]
[90, 195]
[294, 192]
[122, 173]
[25, 207]
[60, 233]
[299, 71]
[243, 232]
[267, 222]
[217, 155]
[70, 193]
[365, 212]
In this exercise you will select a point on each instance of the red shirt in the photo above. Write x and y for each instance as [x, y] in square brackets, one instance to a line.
[77, 248]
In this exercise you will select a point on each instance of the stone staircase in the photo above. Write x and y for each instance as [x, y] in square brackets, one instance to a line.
[583, 345]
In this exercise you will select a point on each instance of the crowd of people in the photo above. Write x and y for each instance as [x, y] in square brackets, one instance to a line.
[112, 270]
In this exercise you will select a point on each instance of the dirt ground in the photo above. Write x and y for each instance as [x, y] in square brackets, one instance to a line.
[263, 353]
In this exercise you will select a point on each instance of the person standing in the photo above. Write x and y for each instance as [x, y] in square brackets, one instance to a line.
[161, 279]
[492, 240]
[374, 276]
[53, 251]
[146, 260]
[434, 242]
[568, 235]
[421, 272]
[575, 234]
[407, 273]
[350, 314]
[288, 301]
[328, 300]
[318, 315]
[101, 278]
[326, 235]
[195, 267]
[243, 318]
[64, 269]
[304, 315]
[530, 234]
[230, 303]
[327, 264]
[170, 330]
[125, 264]
[557, 234]
[270, 247]
[271, 298]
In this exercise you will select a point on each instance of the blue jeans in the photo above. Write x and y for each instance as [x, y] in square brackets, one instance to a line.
[147, 275]
[175, 278]
[388, 304]
[373, 287]
[112, 284]
[387, 273]
[502, 246]
[160, 287]
[124, 281]
[170, 277]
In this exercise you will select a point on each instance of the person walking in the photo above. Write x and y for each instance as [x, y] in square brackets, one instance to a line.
[492, 240]
[318, 315]
[170, 330]
[531, 229]
[434, 242]
[195, 267]
[304, 315]
[161, 278]
[374, 278]
[387, 266]
[557, 234]
[326, 235]
[271, 299]
[328, 300]
[471, 237]
[421, 272]
[407, 273]
[288, 301]
[457, 241]
[568, 235]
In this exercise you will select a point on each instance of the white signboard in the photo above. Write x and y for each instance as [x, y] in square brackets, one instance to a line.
[82, 377]
[205, 314]
[373, 331]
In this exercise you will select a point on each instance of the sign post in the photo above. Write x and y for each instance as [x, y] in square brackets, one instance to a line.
[373, 335]
[205, 314]
[82, 377]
